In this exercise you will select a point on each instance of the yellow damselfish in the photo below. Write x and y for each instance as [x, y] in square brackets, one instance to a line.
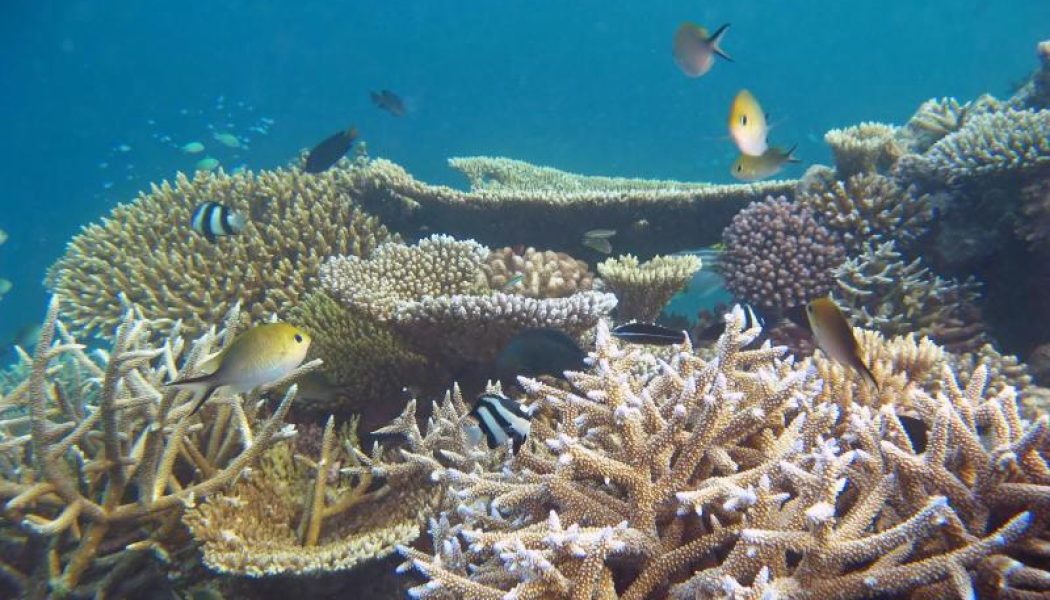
[261, 355]
[753, 168]
[835, 337]
[747, 124]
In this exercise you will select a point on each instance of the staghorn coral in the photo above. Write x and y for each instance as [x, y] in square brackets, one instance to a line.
[778, 255]
[643, 289]
[879, 290]
[99, 462]
[934, 119]
[545, 274]
[716, 478]
[866, 207]
[997, 144]
[677, 215]
[145, 253]
[298, 516]
[366, 362]
[437, 266]
[864, 148]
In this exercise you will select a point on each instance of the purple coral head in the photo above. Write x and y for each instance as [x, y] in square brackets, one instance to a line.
[777, 255]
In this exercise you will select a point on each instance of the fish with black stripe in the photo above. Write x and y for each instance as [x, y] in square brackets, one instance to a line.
[500, 419]
[212, 220]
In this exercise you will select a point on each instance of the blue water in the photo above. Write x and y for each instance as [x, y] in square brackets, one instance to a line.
[586, 86]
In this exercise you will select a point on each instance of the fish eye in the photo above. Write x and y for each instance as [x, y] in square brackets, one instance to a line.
[743, 119]
[739, 168]
[298, 338]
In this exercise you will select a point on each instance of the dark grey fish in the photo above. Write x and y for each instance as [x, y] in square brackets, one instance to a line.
[329, 151]
[212, 220]
[501, 419]
[388, 101]
[539, 351]
[649, 333]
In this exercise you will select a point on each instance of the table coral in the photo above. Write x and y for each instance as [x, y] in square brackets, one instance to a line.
[643, 288]
[145, 253]
[544, 274]
[101, 461]
[778, 255]
[707, 478]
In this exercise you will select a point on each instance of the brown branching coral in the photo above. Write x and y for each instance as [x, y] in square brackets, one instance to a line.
[866, 207]
[145, 253]
[778, 255]
[295, 515]
[103, 468]
[864, 148]
[544, 274]
[880, 290]
[703, 479]
[643, 288]
[934, 119]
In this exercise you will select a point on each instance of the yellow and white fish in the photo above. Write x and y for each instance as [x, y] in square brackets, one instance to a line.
[260, 355]
[753, 168]
[835, 337]
[694, 50]
[747, 124]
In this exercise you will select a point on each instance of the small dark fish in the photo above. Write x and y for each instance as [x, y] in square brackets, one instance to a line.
[539, 351]
[501, 419]
[212, 219]
[649, 333]
[753, 318]
[328, 152]
[834, 335]
[388, 101]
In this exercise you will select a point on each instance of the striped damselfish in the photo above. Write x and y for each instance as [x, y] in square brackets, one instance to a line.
[212, 219]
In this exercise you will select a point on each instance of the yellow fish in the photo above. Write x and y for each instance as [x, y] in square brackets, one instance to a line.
[753, 168]
[835, 337]
[261, 355]
[694, 50]
[747, 124]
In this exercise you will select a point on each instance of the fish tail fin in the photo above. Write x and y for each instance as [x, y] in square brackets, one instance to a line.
[790, 154]
[715, 38]
[865, 374]
[200, 383]
[204, 398]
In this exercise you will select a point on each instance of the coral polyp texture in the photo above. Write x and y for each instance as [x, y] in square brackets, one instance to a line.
[643, 288]
[705, 478]
[146, 254]
[778, 255]
[544, 274]
[864, 148]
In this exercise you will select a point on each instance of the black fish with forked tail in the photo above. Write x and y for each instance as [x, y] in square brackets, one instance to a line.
[329, 151]
[648, 333]
[539, 351]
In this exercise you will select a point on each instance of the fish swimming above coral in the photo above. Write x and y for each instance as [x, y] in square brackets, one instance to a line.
[500, 419]
[388, 101]
[192, 148]
[260, 355]
[227, 139]
[212, 220]
[835, 336]
[598, 239]
[208, 163]
[539, 351]
[755, 168]
[694, 50]
[329, 151]
[648, 333]
[747, 124]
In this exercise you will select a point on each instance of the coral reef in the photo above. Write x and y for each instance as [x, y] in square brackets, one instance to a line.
[498, 173]
[878, 289]
[294, 515]
[545, 274]
[778, 255]
[98, 464]
[1035, 206]
[660, 219]
[643, 288]
[145, 253]
[708, 478]
[866, 207]
[864, 148]
[934, 119]
[1035, 94]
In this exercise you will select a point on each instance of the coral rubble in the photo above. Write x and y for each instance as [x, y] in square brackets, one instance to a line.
[643, 288]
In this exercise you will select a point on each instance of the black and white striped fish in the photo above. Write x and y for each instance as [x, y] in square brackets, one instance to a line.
[212, 219]
[500, 419]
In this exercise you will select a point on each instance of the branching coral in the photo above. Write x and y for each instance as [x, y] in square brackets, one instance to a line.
[715, 478]
[643, 289]
[299, 516]
[879, 290]
[146, 254]
[864, 148]
[778, 255]
[103, 469]
[866, 207]
[544, 274]
[934, 119]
